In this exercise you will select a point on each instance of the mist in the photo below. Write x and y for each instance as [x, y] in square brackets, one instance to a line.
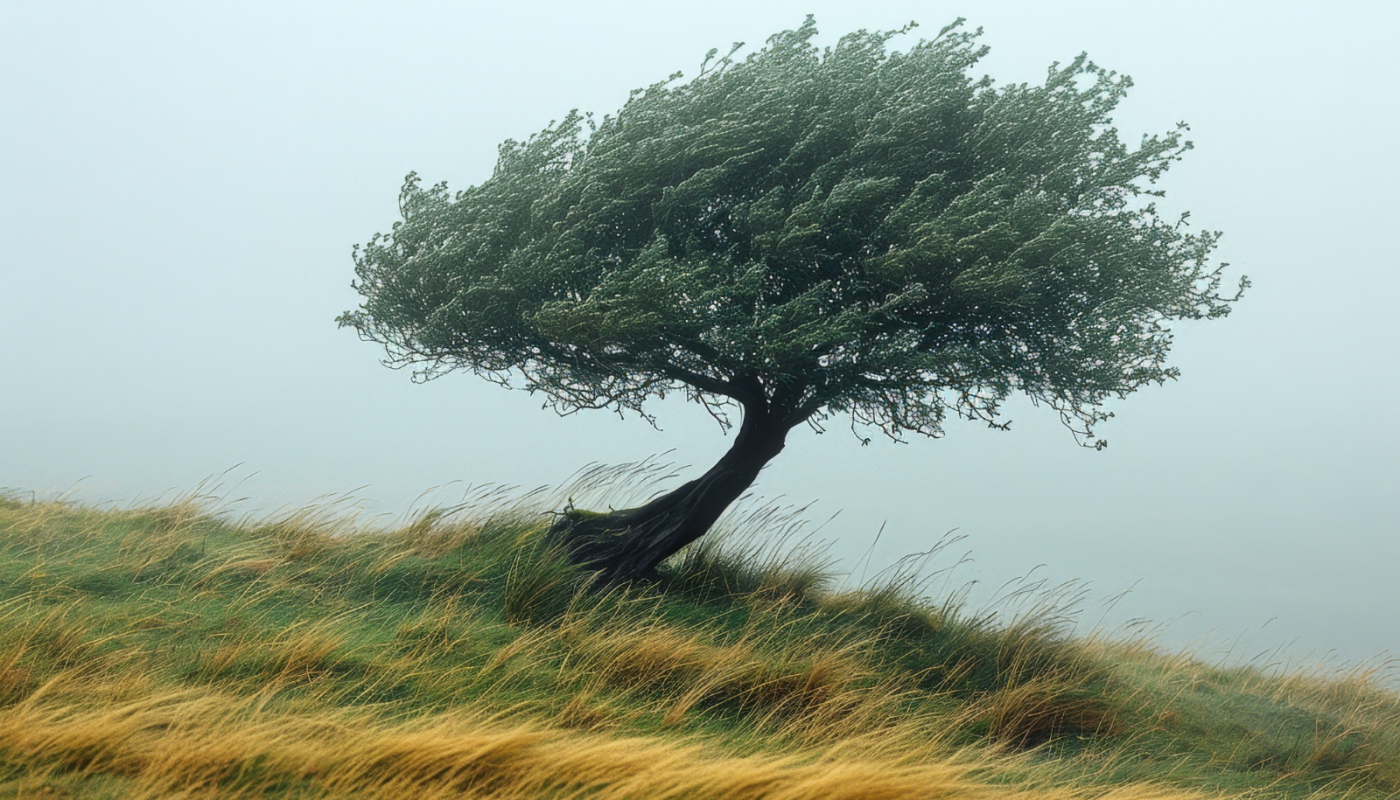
[182, 186]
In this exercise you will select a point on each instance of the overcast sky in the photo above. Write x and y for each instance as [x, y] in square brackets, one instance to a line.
[181, 185]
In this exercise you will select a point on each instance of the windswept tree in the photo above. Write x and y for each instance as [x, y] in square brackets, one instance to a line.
[800, 235]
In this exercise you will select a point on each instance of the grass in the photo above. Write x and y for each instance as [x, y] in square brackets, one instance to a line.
[168, 651]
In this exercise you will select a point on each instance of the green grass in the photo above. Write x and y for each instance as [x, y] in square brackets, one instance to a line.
[169, 651]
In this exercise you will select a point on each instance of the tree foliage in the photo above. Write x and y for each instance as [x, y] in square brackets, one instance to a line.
[811, 232]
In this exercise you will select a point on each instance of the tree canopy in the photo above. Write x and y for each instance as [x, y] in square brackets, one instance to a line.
[809, 232]
[861, 231]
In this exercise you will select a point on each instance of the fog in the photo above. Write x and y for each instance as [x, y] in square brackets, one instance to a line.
[181, 185]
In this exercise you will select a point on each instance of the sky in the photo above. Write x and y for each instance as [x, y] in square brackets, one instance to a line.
[181, 185]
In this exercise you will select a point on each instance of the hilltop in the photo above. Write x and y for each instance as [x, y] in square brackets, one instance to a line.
[171, 651]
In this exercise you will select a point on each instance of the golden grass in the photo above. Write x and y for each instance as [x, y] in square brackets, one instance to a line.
[686, 669]
[213, 744]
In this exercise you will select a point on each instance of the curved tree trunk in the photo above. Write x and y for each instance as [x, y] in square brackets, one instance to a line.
[630, 543]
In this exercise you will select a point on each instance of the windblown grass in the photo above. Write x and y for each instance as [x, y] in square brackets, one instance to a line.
[167, 651]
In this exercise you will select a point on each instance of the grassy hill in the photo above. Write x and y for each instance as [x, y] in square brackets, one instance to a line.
[168, 652]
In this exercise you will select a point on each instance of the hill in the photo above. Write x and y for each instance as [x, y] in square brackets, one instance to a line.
[170, 651]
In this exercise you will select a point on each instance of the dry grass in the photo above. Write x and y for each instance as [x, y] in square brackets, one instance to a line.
[207, 744]
[772, 677]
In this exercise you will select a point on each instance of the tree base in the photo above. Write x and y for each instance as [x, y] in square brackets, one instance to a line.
[622, 546]
[627, 545]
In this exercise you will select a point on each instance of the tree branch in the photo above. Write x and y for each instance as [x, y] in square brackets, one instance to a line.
[711, 385]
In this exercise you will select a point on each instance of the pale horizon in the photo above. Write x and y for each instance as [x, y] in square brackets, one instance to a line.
[183, 186]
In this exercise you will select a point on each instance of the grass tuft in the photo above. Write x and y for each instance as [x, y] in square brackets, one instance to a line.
[540, 582]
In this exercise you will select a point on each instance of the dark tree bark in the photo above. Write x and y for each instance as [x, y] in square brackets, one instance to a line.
[628, 544]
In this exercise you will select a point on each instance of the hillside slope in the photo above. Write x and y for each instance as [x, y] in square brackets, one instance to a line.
[167, 651]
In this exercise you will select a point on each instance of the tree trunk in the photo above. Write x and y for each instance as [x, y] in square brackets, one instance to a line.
[630, 543]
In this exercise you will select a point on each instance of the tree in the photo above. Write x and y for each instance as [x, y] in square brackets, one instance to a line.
[802, 234]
